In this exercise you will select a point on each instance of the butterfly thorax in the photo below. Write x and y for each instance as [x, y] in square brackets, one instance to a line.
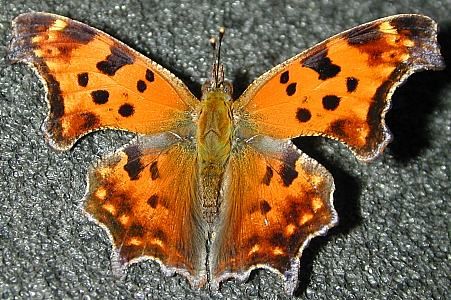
[214, 136]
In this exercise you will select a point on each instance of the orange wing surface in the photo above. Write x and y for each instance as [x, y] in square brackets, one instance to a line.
[144, 195]
[94, 81]
[341, 88]
[276, 199]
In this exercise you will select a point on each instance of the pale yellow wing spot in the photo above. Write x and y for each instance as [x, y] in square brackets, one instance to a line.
[290, 229]
[124, 219]
[316, 204]
[254, 249]
[135, 241]
[278, 251]
[305, 217]
[101, 193]
[110, 208]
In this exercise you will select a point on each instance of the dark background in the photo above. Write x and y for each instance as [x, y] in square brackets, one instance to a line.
[393, 238]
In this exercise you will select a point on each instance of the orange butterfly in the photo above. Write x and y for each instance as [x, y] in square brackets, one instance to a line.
[213, 189]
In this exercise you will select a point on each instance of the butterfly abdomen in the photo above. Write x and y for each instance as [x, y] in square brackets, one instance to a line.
[214, 136]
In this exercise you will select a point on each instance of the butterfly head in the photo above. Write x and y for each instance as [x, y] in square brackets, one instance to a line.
[216, 82]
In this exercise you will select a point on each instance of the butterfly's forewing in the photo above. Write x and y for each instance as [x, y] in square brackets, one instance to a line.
[94, 81]
[275, 200]
[341, 88]
[145, 196]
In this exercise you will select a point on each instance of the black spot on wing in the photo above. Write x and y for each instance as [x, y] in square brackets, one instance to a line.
[338, 128]
[83, 79]
[159, 234]
[134, 166]
[284, 77]
[64, 52]
[268, 176]
[153, 201]
[291, 89]
[154, 173]
[277, 239]
[351, 84]
[331, 102]
[126, 110]
[321, 64]
[123, 204]
[288, 171]
[293, 212]
[149, 76]
[136, 230]
[116, 60]
[265, 207]
[90, 121]
[141, 86]
[100, 96]
[303, 115]
[288, 175]
[253, 240]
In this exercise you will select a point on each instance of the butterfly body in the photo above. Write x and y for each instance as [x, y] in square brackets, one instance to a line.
[215, 128]
[214, 143]
[213, 188]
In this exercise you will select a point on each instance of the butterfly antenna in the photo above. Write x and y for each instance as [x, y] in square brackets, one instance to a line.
[218, 69]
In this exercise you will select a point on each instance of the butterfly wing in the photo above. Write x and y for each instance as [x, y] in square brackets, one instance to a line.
[275, 200]
[94, 81]
[144, 196]
[341, 88]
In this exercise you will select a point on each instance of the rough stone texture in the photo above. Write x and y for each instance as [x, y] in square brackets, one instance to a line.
[393, 240]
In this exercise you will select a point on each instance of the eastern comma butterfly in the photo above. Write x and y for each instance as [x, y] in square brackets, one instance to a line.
[212, 188]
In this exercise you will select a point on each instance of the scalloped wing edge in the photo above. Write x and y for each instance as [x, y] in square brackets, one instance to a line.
[290, 278]
[433, 62]
[118, 266]
[35, 64]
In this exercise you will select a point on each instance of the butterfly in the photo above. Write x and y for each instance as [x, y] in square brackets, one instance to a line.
[213, 188]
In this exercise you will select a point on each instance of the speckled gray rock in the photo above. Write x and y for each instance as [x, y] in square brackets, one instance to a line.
[393, 238]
